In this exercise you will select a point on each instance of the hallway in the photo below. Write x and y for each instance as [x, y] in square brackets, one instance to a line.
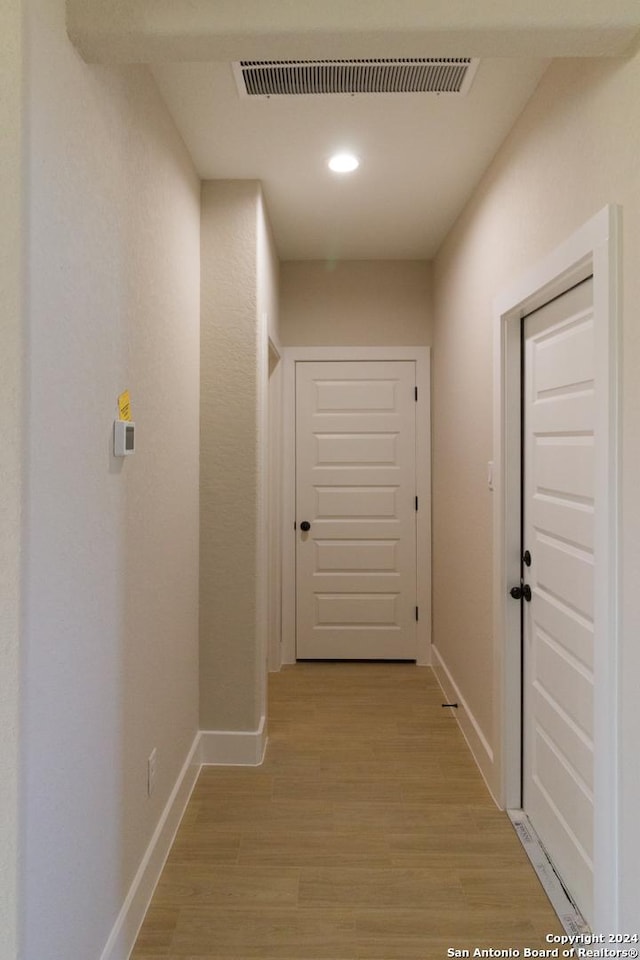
[367, 834]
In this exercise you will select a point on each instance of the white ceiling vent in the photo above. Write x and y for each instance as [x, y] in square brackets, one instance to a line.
[288, 78]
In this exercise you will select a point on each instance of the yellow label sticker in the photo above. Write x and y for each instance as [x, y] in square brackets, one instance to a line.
[124, 405]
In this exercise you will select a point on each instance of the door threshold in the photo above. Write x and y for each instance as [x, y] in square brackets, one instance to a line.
[568, 914]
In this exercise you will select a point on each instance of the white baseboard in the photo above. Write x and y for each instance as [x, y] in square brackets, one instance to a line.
[209, 747]
[471, 730]
[234, 747]
[127, 926]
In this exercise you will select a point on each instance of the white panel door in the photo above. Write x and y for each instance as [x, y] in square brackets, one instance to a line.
[356, 487]
[558, 622]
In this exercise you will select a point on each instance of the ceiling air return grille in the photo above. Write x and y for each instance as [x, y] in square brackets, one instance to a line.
[288, 78]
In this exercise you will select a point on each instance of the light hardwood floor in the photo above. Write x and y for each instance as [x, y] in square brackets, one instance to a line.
[367, 834]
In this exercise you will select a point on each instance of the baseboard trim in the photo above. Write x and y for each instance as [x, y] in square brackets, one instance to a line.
[127, 926]
[471, 730]
[230, 748]
[233, 747]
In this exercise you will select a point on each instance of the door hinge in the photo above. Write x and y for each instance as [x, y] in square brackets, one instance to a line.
[416, 503]
[416, 393]
[417, 613]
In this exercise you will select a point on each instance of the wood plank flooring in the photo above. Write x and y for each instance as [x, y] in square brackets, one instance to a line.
[367, 834]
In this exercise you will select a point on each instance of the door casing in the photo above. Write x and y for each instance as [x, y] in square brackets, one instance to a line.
[593, 249]
[421, 356]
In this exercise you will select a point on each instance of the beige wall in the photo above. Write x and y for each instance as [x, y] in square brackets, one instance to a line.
[111, 582]
[355, 303]
[574, 149]
[231, 458]
[11, 324]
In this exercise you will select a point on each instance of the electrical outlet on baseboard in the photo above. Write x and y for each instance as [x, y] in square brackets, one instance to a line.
[151, 771]
[490, 475]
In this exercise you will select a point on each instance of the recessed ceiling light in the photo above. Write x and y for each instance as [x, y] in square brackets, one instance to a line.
[343, 163]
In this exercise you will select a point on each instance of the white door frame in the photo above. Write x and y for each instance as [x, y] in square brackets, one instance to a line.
[422, 358]
[592, 249]
[274, 507]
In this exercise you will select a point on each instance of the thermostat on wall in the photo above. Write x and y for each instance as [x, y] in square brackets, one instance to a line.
[124, 438]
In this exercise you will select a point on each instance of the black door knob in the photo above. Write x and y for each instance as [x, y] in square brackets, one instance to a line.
[305, 525]
[519, 592]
